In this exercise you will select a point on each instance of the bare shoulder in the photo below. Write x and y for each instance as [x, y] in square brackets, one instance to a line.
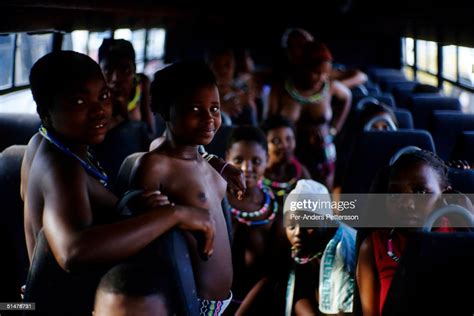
[30, 153]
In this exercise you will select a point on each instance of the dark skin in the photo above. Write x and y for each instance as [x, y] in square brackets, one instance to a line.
[176, 169]
[117, 304]
[420, 178]
[234, 176]
[281, 147]
[64, 200]
[120, 75]
[317, 119]
[308, 82]
[255, 247]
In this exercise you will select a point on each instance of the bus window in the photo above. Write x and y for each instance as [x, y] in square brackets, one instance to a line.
[137, 38]
[7, 43]
[466, 62]
[29, 49]
[450, 62]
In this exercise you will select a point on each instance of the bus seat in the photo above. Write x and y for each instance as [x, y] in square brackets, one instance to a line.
[387, 84]
[17, 128]
[126, 138]
[15, 260]
[424, 105]
[446, 126]
[404, 118]
[125, 172]
[461, 180]
[432, 276]
[402, 92]
[218, 144]
[373, 150]
[385, 98]
[464, 147]
[376, 73]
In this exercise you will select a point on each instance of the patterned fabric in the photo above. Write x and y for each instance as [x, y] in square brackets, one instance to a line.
[212, 307]
[336, 286]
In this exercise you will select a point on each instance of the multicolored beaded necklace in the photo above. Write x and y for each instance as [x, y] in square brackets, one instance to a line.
[295, 95]
[283, 187]
[390, 252]
[304, 260]
[246, 217]
[91, 165]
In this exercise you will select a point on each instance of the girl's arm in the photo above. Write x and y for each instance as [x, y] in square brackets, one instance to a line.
[367, 279]
[76, 242]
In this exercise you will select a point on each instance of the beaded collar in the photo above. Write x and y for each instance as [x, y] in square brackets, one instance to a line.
[282, 187]
[304, 260]
[246, 217]
[295, 95]
[91, 165]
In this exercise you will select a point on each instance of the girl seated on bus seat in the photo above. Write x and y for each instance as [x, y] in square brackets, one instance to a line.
[416, 180]
[380, 116]
[321, 279]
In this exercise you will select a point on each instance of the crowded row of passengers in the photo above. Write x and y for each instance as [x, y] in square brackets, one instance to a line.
[254, 266]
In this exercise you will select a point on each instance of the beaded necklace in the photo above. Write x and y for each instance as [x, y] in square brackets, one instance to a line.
[91, 165]
[295, 95]
[304, 260]
[246, 217]
[390, 252]
[136, 97]
[282, 187]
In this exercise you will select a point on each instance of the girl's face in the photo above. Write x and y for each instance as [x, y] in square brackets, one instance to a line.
[316, 74]
[302, 240]
[82, 115]
[251, 158]
[119, 74]
[223, 67]
[415, 191]
[281, 143]
[195, 119]
[382, 125]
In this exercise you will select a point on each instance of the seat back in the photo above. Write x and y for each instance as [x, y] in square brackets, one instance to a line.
[19, 127]
[126, 138]
[464, 147]
[12, 236]
[373, 150]
[432, 276]
[125, 173]
[446, 126]
[424, 105]
[404, 118]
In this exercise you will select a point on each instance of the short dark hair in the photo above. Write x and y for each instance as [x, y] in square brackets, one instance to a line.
[177, 80]
[247, 133]
[427, 157]
[58, 73]
[116, 48]
[135, 279]
[276, 121]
